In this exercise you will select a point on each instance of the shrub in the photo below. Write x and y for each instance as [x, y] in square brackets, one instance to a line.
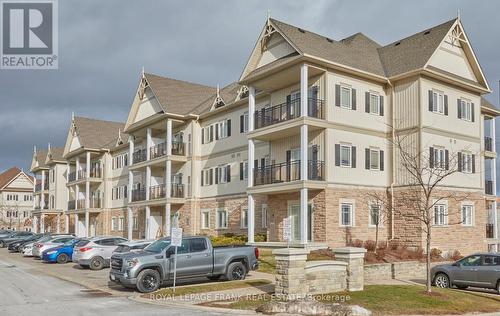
[370, 245]
[436, 253]
[231, 239]
[357, 243]
[394, 244]
[321, 254]
[456, 255]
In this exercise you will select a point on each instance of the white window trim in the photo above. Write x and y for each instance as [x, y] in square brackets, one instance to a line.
[349, 107]
[121, 223]
[447, 214]
[264, 218]
[113, 222]
[353, 212]
[135, 223]
[205, 224]
[217, 218]
[442, 163]
[466, 154]
[350, 155]
[244, 210]
[435, 106]
[380, 212]
[377, 95]
[473, 211]
[468, 109]
[378, 159]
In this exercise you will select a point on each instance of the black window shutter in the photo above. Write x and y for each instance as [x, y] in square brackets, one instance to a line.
[217, 131]
[241, 171]
[228, 128]
[430, 100]
[203, 135]
[262, 162]
[211, 132]
[217, 175]
[472, 111]
[228, 173]
[459, 110]
[337, 154]
[381, 160]
[256, 163]
[367, 102]
[431, 157]
[473, 163]
[381, 105]
[367, 158]
[459, 161]
[337, 95]
[353, 99]
[211, 176]
[242, 123]
[445, 104]
[353, 158]
[201, 177]
[446, 159]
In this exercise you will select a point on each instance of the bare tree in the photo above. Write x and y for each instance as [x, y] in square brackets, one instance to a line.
[422, 173]
[377, 206]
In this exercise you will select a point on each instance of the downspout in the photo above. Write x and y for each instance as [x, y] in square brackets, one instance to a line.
[393, 158]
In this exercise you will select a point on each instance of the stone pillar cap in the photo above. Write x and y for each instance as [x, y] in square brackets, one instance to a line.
[349, 250]
[290, 251]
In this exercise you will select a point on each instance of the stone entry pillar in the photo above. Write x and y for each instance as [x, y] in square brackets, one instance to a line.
[290, 272]
[354, 257]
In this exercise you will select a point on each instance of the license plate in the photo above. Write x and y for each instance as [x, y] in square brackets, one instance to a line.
[113, 277]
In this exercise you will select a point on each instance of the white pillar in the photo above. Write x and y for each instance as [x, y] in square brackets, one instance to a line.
[146, 227]
[58, 228]
[251, 157]
[130, 223]
[130, 162]
[77, 167]
[167, 220]
[148, 143]
[169, 137]
[66, 223]
[168, 163]
[77, 233]
[86, 223]
[148, 181]
[303, 90]
[87, 184]
[42, 195]
[33, 227]
[303, 215]
[303, 153]
[42, 223]
[77, 195]
[35, 224]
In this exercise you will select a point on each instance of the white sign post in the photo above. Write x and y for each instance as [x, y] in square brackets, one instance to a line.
[176, 241]
[287, 230]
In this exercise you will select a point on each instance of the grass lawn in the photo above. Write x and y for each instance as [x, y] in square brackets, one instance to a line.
[398, 299]
[204, 288]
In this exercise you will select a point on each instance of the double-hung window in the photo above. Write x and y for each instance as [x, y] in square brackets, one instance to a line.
[244, 217]
[437, 102]
[114, 223]
[374, 103]
[466, 162]
[374, 159]
[223, 174]
[221, 218]
[264, 215]
[440, 215]
[467, 215]
[223, 129]
[346, 214]
[205, 219]
[244, 122]
[244, 170]
[439, 157]
[375, 215]
[345, 97]
[465, 110]
[207, 177]
[345, 155]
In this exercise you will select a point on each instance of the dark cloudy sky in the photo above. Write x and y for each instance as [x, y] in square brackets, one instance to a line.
[103, 44]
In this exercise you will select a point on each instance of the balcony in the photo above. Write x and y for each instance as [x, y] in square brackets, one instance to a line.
[38, 186]
[138, 195]
[72, 176]
[71, 204]
[488, 187]
[95, 202]
[80, 203]
[156, 151]
[288, 171]
[490, 230]
[94, 173]
[139, 156]
[287, 111]
[157, 192]
[177, 190]
[178, 148]
[488, 143]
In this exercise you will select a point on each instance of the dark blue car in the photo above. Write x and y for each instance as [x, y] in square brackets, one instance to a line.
[60, 254]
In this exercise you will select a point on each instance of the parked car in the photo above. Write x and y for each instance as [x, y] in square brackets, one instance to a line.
[147, 270]
[133, 245]
[16, 245]
[96, 252]
[40, 246]
[11, 237]
[62, 253]
[478, 270]
[5, 232]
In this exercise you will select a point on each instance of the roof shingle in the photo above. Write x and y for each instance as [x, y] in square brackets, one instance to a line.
[97, 134]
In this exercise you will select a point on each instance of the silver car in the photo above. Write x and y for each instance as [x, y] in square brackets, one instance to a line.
[477, 270]
[96, 252]
[40, 246]
[133, 245]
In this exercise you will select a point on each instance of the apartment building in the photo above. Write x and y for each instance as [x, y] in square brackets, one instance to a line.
[16, 199]
[49, 190]
[96, 168]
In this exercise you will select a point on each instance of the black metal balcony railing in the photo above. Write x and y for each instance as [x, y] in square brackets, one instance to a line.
[177, 148]
[72, 176]
[490, 231]
[138, 195]
[157, 192]
[95, 202]
[488, 187]
[287, 111]
[95, 172]
[80, 203]
[139, 156]
[288, 171]
[488, 143]
[159, 150]
[177, 190]
[71, 204]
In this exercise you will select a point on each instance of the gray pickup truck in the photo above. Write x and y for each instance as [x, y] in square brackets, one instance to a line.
[147, 270]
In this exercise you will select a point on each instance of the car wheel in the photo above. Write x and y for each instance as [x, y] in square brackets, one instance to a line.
[498, 287]
[2, 244]
[214, 277]
[62, 258]
[148, 281]
[96, 263]
[441, 280]
[236, 271]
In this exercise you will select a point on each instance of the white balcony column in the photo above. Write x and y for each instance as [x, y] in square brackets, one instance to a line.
[169, 137]
[166, 229]
[42, 223]
[130, 162]
[58, 228]
[130, 223]
[35, 224]
[87, 220]
[77, 195]
[77, 167]
[68, 190]
[77, 233]
[147, 226]
[87, 183]
[303, 153]
[66, 223]
[303, 90]
[250, 165]
[148, 143]
[42, 195]
[148, 181]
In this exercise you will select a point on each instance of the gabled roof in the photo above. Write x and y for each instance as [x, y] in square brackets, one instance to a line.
[9, 175]
[54, 154]
[96, 134]
[177, 96]
[228, 94]
[487, 106]
[39, 157]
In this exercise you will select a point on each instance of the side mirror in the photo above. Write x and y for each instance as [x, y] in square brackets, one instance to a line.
[456, 264]
[169, 253]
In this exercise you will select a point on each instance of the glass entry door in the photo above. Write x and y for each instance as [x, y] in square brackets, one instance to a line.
[294, 213]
